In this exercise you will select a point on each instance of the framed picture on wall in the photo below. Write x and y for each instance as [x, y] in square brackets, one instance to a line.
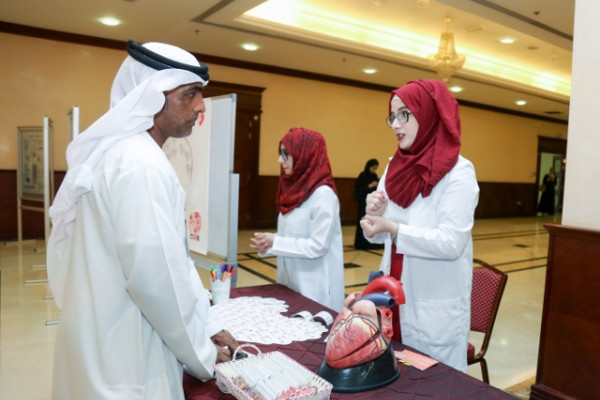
[31, 162]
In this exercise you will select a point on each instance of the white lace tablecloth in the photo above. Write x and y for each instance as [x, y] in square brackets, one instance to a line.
[259, 320]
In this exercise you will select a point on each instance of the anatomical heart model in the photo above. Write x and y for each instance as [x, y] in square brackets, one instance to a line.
[359, 356]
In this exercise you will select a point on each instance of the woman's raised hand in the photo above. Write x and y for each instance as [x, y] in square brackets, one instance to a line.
[376, 203]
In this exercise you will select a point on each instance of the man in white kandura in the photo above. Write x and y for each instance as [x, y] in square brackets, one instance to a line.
[134, 312]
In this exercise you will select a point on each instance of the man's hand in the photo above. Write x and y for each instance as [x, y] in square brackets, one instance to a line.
[224, 338]
[225, 344]
[223, 354]
[376, 203]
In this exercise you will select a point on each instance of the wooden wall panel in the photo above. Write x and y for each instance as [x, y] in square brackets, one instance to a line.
[267, 210]
[503, 199]
[496, 199]
[8, 205]
[33, 221]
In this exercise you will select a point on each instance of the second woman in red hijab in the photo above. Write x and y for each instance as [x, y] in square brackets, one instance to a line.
[308, 242]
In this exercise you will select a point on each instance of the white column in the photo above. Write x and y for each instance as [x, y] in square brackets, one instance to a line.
[582, 181]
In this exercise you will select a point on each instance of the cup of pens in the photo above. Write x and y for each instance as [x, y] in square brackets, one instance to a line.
[220, 282]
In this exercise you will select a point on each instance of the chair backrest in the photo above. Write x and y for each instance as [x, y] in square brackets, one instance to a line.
[488, 287]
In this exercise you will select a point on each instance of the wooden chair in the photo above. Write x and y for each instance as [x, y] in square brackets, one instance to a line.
[488, 287]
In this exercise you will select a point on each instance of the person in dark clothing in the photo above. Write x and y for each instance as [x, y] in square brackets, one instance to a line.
[546, 205]
[365, 184]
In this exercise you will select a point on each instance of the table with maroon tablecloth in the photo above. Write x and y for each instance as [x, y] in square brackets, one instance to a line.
[436, 383]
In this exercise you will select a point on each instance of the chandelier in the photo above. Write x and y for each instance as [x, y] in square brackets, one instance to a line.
[446, 62]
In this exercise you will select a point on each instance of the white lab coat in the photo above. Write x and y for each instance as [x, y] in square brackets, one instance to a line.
[309, 249]
[435, 237]
[134, 309]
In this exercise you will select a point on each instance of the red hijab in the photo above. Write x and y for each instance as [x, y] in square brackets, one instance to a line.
[311, 168]
[437, 144]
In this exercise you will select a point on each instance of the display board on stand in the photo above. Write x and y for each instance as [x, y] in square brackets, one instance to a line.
[204, 164]
[35, 172]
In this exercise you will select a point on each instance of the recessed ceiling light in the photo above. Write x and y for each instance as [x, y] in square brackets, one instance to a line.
[507, 40]
[300, 17]
[369, 70]
[455, 89]
[250, 46]
[110, 21]
[520, 102]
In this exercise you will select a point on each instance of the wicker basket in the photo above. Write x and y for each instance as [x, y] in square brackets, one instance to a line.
[283, 372]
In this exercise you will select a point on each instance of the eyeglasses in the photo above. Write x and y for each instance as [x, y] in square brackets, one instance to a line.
[402, 118]
[284, 154]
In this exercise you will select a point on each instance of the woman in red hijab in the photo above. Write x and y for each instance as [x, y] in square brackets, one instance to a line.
[423, 212]
[308, 243]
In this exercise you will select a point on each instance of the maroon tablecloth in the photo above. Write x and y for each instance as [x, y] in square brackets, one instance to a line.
[436, 383]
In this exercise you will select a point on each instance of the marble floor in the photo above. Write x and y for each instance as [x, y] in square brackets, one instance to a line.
[517, 246]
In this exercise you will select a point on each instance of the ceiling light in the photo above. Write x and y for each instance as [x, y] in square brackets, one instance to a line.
[455, 89]
[446, 62]
[369, 70]
[520, 102]
[110, 21]
[250, 46]
[299, 17]
[507, 40]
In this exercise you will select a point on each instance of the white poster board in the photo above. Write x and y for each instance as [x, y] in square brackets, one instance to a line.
[204, 164]
[73, 123]
[48, 174]
[189, 157]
